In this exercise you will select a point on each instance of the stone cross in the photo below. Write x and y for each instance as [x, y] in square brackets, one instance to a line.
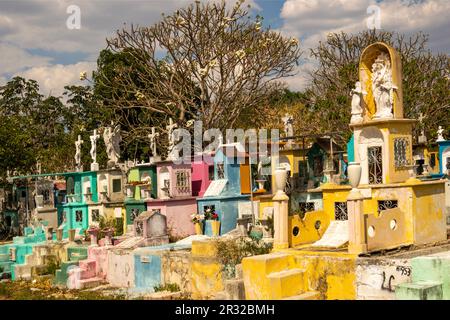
[78, 144]
[152, 138]
[421, 118]
[93, 151]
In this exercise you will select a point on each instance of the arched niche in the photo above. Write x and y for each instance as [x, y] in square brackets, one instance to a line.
[70, 185]
[367, 59]
[163, 183]
[86, 185]
[103, 183]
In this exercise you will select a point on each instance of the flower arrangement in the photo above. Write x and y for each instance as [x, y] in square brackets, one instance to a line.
[197, 218]
[211, 214]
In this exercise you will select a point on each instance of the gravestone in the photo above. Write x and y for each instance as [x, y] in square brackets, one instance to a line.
[152, 226]
[335, 237]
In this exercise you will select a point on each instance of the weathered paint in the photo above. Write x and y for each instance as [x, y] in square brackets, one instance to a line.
[206, 271]
[121, 268]
[227, 207]
[178, 212]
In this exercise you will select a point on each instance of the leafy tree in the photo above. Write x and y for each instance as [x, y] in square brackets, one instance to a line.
[32, 129]
[425, 81]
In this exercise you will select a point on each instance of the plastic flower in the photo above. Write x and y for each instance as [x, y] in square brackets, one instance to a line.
[240, 54]
[83, 75]
[180, 21]
[139, 95]
[213, 63]
[203, 71]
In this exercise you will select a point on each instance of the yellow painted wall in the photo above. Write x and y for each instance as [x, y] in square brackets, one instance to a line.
[206, 271]
[333, 193]
[429, 213]
[307, 233]
[264, 202]
[332, 274]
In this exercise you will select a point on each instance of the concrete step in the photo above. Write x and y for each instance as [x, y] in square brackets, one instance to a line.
[91, 283]
[5, 266]
[19, 240]
[31, 259]
[310, 295]
[22, 271]
[4, 257]
[88, 268]
[287, 283]
[421, 290]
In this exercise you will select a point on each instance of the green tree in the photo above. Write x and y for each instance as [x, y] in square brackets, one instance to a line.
[33, 129]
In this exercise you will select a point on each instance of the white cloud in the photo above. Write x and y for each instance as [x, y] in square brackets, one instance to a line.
[53, 78]
[41, 25]
[312, 20]
[14, 59]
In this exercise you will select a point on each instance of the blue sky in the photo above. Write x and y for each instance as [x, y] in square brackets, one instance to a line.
[36, 43]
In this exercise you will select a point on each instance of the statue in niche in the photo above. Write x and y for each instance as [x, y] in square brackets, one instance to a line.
[112, 140]
[356, 103]
[382, 86]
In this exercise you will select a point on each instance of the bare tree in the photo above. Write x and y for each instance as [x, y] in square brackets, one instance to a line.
[208, 62]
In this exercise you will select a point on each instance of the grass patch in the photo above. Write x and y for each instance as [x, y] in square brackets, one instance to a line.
[43, 290]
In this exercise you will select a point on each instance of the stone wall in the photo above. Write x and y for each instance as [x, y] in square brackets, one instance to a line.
[120, 268]
[176, 268]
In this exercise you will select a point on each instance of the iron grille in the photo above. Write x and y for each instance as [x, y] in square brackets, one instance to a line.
[340, 211]
[375, 165]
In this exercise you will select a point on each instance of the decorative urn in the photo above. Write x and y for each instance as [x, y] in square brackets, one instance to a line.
[354, 173]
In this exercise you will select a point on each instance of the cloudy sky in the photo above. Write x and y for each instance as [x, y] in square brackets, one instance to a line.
[36, 43]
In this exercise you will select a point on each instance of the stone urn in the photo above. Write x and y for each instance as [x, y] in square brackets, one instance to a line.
[280, 180]
[93, 234]
[256, 232]
[354, 173]
[260, 183]
[59, 234]
[39, 201]
[72, 235]
[198, 228]
[108, 232]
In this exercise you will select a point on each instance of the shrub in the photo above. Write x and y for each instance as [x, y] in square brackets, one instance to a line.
[171, 287]
[232, 251]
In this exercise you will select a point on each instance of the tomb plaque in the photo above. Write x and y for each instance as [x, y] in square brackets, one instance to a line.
[215, 188]
[245, 208]
[335, 236]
